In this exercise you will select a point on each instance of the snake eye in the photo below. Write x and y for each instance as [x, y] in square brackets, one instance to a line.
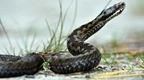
[104, 12]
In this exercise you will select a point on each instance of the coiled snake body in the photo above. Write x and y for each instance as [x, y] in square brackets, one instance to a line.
[85, 56]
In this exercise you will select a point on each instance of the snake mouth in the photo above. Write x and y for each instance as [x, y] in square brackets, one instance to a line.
[109, 13]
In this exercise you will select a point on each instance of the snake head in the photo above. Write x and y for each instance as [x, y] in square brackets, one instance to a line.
[109, 13]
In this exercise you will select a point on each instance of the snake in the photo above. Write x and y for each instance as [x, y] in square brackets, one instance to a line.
[84, 55]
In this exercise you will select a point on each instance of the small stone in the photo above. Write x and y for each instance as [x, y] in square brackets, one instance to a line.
[29, 76]
[87, 76]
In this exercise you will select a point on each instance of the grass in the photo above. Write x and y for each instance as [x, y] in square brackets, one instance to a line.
[142, 59]
[8, 39]
[109, 59]
[57, 40]
[114, 57]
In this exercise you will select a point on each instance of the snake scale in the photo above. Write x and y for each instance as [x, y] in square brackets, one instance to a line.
[85, 56]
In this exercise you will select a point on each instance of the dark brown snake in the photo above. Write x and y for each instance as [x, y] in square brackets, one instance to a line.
[85, 56]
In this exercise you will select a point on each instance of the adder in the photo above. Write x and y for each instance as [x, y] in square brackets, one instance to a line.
[85, 56]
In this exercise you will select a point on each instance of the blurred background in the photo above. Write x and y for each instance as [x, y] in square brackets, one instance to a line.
[26, 21]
